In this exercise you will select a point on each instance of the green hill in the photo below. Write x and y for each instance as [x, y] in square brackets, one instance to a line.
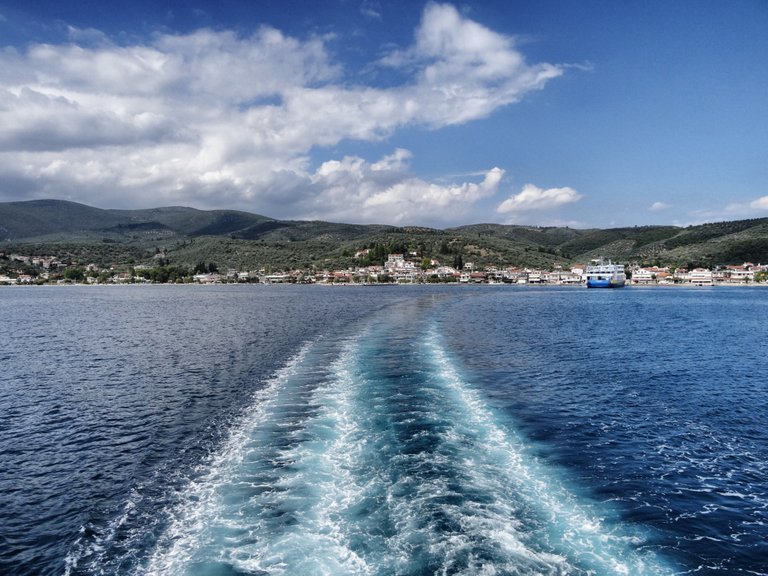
[192, 222]
[243, 240]
[36, 218]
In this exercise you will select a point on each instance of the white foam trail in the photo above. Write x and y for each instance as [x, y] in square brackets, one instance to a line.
[575, 529]
[357, 495]
[315, 485]
[319, 542]
[200, 505]
[311, 483]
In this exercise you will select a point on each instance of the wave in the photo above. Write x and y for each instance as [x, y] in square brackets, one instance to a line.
[374, 455]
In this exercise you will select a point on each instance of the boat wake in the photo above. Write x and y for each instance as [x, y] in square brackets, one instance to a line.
[374, 455]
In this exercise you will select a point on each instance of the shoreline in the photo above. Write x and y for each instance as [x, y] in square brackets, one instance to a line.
[388, 284]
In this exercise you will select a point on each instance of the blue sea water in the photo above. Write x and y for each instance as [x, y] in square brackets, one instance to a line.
[292, 430]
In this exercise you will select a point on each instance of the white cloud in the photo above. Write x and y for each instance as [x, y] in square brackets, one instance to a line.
[371, 9]
[214, 119]
[659, 207]
[761, 204]
[532, 197]
[464, 70]
[355, 190]
[752, 208]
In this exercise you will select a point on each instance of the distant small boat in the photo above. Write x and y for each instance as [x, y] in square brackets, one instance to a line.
[601, 274]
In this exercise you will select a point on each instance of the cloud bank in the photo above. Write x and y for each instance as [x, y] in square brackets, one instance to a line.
[216, 119]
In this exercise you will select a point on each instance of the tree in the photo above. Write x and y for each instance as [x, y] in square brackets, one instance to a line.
[202, 268]
[458, 262]
[74, 274]
[165, 274]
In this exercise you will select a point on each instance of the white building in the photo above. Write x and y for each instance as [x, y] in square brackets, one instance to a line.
[700, 276]
[395, 262]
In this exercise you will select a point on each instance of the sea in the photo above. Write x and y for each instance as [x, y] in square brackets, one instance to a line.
[383, 430]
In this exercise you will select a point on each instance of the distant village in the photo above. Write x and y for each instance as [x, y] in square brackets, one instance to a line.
[18, 269]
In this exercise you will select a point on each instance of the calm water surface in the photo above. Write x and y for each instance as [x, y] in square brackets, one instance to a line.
[383, 430]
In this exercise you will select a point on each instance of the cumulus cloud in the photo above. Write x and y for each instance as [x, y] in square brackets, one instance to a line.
[353, 189]
[532, 197]
[214, 118]
[659, 207]
[464, 70]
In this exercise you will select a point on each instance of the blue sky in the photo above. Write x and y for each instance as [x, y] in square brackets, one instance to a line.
[582, 113]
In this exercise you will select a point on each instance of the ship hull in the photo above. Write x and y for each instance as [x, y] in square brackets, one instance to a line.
[604, 283]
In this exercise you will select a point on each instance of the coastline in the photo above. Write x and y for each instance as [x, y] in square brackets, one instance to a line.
[387, 284]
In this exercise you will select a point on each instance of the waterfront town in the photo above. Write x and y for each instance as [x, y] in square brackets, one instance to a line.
[18, 269]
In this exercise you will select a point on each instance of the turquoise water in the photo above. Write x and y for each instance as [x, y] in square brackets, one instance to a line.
[408, 430]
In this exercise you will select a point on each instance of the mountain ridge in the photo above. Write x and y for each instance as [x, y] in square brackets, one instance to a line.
[241, 238]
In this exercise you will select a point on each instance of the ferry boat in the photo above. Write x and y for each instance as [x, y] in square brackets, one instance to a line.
[605, 275]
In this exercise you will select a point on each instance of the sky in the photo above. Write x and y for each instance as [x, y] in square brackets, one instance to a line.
[581, 113]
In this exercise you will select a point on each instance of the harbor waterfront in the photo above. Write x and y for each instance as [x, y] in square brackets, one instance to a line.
[491, 430]
[20, 269]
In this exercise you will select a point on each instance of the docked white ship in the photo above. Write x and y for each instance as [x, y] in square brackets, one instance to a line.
[601, 274]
